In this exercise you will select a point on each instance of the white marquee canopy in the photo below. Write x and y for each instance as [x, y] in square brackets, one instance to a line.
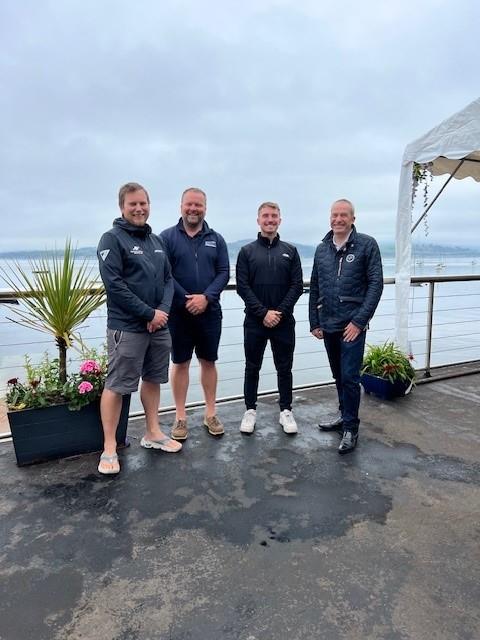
[452, 147]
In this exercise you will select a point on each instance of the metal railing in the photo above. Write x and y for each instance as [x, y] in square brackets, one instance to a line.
[432, 301]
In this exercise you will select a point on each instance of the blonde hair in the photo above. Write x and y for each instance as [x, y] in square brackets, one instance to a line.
[271, 205]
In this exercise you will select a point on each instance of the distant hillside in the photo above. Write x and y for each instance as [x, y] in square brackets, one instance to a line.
[419, 250]
[425, 250]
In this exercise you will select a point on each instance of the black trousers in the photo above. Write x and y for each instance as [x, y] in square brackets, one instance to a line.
[282, 342]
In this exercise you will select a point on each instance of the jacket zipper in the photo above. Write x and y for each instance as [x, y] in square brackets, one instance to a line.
[339, 267]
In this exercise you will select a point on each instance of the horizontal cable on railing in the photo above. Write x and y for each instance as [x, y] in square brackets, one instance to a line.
[455, 349]
[452, 309]
[456, 295]
[443, 324]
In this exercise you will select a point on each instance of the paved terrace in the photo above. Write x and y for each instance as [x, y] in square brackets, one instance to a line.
[263, 537]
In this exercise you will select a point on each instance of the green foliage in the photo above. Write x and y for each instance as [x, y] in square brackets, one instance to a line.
[387, 361]
[56, 298]
[43, 387]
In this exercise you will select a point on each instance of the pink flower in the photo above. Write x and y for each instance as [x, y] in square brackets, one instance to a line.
[90, 366]
[85, 387]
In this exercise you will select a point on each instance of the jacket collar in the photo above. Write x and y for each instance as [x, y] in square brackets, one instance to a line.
[328, 239]
[266, 242]
[205, 228]
[141, 232]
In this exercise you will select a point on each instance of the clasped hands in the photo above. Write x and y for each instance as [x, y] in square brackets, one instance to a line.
[196, 303]
[272, 318]
[158, 321]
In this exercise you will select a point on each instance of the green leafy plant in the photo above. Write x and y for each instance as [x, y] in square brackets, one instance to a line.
[57, 297]
[389, 362]
[43, 387]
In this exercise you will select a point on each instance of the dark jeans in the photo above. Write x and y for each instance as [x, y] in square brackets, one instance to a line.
[282, 341]
[345, 362]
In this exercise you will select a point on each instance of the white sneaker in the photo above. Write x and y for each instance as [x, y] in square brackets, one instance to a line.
[248, 421]
[288, 421]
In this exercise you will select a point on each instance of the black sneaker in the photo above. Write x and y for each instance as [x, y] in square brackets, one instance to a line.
[348, 442]
[334, 425]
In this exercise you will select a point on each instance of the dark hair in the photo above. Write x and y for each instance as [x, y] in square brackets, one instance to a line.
[130, 187]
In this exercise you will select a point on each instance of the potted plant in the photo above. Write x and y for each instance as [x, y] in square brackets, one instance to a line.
[55, 414]
[387, 372]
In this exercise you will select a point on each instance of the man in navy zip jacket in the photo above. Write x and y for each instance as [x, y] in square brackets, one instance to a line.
[345, 289]
[200, 267]
[269, 280]
[136, 274]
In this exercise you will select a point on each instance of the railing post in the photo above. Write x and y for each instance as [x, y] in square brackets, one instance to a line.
[428, 355]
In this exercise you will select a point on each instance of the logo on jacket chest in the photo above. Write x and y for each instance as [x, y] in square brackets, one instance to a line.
[136, 250]
[350, 257]
[210, 243]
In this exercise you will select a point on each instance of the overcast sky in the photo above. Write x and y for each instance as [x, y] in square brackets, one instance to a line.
[295, 101]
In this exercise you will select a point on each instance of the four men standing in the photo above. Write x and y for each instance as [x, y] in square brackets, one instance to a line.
[189, 263]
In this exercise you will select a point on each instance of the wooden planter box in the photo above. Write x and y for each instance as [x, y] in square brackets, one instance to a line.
[57, 432]
[383, 388]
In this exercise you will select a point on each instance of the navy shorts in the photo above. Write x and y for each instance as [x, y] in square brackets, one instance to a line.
[134, 355]
[195, 333]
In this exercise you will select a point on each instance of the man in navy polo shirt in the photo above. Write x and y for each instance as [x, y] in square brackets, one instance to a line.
[200, 267]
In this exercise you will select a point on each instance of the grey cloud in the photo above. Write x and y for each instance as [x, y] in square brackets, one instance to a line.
[298, 102]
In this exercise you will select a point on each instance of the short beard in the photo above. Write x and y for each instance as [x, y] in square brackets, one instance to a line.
[193, 225]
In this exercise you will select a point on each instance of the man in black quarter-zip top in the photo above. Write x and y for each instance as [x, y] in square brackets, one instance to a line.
[345, 289]
[270, 281]
[200, 270]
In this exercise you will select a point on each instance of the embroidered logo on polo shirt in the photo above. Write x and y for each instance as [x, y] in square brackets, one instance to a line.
[136, 250]
[210, 243]
[350, 257]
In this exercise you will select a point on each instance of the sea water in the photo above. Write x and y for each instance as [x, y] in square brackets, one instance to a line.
[455, 335]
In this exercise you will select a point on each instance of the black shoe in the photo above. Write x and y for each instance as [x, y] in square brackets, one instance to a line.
[335, 425]
[348, 442]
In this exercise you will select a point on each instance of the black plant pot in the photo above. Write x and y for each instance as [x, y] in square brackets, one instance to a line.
[56, 432]
[383, 388]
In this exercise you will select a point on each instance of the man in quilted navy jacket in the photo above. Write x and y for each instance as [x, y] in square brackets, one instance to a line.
[345, 289]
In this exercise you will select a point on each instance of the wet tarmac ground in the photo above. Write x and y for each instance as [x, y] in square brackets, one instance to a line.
[261, 537]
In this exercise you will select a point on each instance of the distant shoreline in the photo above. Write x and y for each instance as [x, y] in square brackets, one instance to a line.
[419, 251]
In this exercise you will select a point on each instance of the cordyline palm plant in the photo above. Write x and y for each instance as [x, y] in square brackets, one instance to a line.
[57, 297]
